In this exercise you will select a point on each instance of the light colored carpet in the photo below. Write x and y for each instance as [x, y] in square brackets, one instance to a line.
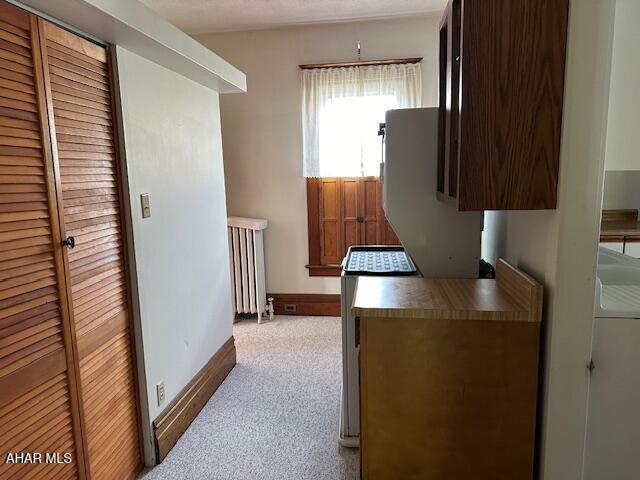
[275, 417]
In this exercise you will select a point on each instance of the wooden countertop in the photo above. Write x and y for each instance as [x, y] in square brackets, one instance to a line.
[624, 229]
[512, 296]
[620, 223]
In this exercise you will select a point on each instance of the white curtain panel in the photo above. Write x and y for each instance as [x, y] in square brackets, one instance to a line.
[341, 110]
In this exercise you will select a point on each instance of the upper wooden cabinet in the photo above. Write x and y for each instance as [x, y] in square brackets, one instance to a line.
[502, 66]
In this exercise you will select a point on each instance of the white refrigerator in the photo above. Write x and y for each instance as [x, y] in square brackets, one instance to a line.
[442, 242]
[612, 446]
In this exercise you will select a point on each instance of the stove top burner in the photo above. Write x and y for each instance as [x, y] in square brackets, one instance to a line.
[363, 260]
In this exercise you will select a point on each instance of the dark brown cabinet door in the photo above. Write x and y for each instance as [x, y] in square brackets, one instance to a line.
[38, 412]
[449, 106]
[502, 69]
[79, 94]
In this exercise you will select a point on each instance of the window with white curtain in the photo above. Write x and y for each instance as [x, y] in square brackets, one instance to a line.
[341, 110]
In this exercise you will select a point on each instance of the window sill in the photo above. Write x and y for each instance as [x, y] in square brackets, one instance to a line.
[324, 270]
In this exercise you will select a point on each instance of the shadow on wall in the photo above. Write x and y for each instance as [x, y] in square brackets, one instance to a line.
[621, 189]
[494, 236]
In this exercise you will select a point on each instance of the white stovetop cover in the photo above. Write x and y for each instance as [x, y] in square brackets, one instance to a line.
[617, 285]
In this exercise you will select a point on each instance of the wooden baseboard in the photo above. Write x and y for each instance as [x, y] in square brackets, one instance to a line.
[179, 414]
[324, 270]
[306, 304]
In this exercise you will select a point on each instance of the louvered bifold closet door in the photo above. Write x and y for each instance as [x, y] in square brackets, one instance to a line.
[79, 93]
[38, 412]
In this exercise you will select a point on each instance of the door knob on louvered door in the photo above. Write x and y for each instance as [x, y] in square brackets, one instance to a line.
[69, 242]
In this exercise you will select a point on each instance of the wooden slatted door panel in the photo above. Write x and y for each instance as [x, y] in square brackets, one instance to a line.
[37, 412]
[79, 94]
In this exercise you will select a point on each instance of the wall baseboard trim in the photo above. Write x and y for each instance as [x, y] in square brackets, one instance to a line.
[311, 304]
[179, 414]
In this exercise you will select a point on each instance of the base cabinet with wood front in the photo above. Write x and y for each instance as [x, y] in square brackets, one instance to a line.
[448, 376]
[502, 67]
[67, 378]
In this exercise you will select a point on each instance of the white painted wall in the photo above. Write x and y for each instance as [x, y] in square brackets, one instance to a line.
[494, 236]
[262, 129]
[623, 141]
[622, 189]
[559, 247]
[622, 179]
[174, 152]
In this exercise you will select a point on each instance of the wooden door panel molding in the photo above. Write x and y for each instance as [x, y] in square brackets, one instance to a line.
[355, 216]
[351, 194]
[330, 214]
[370, 213]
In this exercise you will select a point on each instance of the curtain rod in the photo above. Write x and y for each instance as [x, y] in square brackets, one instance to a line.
[364, 63]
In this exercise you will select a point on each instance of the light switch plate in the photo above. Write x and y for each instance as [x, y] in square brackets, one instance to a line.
[145, 203]
[160, 392]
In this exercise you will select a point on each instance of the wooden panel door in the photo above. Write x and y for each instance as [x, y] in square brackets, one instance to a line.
[344, 212]
[363, 220]
[370, 188]
[79, 97]
[330, 221]
[350, 192]
[38, 410]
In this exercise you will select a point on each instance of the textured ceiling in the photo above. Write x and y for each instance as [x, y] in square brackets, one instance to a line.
[203, 16]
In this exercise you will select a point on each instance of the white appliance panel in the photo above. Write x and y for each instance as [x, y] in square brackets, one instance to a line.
[442, 241]
[613, 426]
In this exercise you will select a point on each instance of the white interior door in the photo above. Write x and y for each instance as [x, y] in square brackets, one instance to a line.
[613, 424]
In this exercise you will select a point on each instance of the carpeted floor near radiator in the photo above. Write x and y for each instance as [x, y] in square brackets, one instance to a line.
[275, 417]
